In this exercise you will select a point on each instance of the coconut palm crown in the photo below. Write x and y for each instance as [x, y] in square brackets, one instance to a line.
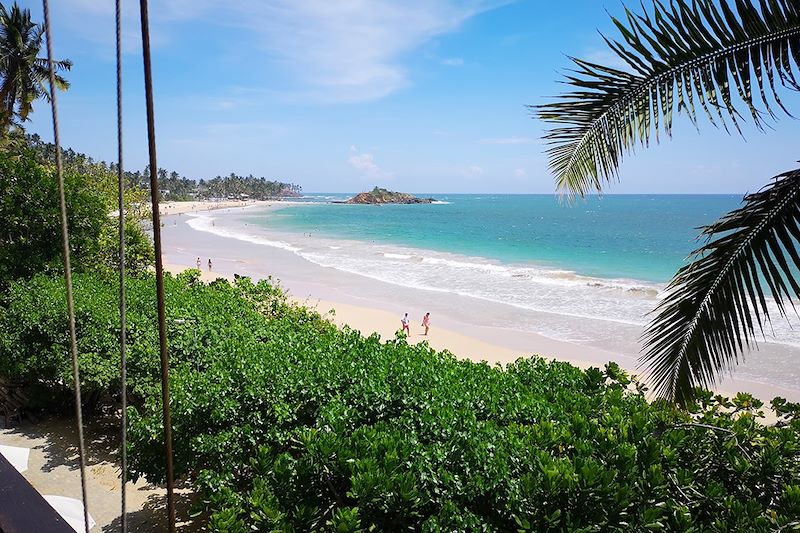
[23, 74]
[726, 61]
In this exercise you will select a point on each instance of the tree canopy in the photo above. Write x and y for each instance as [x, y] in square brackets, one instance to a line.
[23, 74]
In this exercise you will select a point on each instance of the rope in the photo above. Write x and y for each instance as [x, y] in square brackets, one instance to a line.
[123, 363]
[67, 267]
[162, 320]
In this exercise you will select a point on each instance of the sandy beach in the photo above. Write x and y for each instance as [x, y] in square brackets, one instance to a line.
[459, 323]
[180, 208]
[370, 320]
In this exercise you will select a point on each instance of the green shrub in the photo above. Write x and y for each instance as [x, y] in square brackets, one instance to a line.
[139, 256]
[30, 233]
[282, 422]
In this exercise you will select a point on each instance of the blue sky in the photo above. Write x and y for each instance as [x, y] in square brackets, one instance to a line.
[413, 95]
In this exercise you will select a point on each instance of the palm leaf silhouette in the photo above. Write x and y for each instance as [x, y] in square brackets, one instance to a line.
[681, 57]
[714, 305]
[725, 60]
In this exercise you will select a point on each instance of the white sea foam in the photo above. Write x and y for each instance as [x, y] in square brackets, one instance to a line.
[321, 197]
[205, 223]
[481, 266]
[585, 303]
[524, 287]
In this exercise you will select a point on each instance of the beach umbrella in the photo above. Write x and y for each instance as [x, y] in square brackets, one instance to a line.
[71, 510]
[18, 457]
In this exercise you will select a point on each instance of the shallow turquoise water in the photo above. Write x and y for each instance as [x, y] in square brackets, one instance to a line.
[643, 237]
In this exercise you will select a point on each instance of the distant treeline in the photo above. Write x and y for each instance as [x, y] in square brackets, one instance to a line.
[173, 186]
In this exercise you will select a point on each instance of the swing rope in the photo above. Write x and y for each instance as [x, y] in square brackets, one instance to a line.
[123, 363]
[67, 267]
[156, 217]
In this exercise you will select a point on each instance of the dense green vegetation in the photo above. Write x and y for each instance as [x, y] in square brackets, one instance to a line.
[30, 234]
[256, 188]
[173, 186]
[102, 176]
[29, 209]
[282, 422]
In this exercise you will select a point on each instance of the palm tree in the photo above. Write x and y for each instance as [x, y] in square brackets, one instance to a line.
[694, 57]
[23, 73]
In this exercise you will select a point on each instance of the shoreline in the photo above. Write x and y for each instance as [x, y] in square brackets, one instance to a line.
[369, 320]
[195, 206]
[372, 306]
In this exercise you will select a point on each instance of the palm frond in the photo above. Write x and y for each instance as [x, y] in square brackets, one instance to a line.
[42, 65]
[716, 305]
[688, 56]
[23, 74]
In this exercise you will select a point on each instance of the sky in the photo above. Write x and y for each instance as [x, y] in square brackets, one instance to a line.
[425, 96]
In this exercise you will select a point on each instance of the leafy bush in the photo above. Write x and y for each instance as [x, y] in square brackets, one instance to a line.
[30, 233]
[283, 422]
[139, 255]
[34, 340]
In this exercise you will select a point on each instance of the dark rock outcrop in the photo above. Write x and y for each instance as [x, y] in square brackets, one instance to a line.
[383, 196]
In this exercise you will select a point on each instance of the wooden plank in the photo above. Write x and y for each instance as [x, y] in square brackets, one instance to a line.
[22, 508]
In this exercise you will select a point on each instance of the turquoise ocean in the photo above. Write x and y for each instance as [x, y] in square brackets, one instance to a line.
[637, 237]
[581, 271]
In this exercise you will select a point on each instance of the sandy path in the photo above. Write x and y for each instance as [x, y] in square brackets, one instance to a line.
[53, 470]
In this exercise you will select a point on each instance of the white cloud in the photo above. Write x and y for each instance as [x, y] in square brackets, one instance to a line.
[348, 50]
[520, 173]
[94, 23]
[452, 62]
[365, 164]
[509, 140]
[473, 171]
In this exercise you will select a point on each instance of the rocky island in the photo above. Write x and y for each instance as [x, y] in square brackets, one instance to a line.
[384, 196]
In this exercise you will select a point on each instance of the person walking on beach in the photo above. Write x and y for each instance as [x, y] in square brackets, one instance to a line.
[198, 263]
[209, 264]
[405, 322]
[426, 322]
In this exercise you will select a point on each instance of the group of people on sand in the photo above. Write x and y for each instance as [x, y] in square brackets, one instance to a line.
[406, 323]
[198, 264]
